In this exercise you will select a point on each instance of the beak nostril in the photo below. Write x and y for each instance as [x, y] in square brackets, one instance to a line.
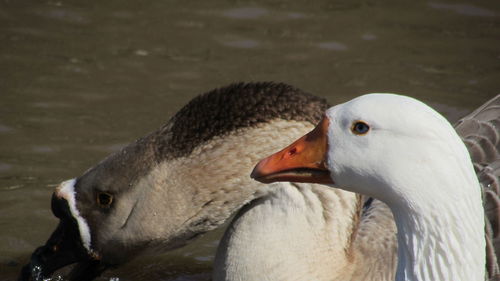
[292, 151]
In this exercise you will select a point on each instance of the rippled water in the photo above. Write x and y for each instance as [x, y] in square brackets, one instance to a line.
[79, 80]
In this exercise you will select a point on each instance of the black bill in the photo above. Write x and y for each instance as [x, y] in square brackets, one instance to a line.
[63, 248]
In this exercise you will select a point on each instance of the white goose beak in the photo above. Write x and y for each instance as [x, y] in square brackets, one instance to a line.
[302, 161]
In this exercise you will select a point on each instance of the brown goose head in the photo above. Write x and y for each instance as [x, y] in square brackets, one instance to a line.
[160, 192]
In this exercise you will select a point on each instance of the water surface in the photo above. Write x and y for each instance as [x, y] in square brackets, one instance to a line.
[78, 80]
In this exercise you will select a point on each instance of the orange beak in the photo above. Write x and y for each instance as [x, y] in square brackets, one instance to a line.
[302, 161]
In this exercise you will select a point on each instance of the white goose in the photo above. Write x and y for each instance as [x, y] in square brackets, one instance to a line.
[404, 153]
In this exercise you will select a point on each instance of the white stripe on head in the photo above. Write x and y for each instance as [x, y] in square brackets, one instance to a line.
[66, 190]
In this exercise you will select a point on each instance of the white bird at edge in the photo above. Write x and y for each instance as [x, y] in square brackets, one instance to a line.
[401, 151]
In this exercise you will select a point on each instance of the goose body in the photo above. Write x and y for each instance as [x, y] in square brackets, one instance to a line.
[402, 152]
[306, 232]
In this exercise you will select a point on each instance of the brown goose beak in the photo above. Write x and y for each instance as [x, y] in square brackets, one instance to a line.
[63, 248]
[302, 161]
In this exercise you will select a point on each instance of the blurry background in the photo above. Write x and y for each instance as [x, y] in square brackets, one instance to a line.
[79, 79]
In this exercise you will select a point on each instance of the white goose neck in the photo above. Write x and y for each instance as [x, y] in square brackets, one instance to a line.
[440, 240]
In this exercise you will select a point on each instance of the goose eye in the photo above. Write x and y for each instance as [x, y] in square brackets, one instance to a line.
[360, 128]
[104, 199]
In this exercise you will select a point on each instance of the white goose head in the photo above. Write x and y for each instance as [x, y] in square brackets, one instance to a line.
[401, 151]
[376, 144]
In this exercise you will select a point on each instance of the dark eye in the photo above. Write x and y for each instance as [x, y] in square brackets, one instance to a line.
[360, 128]
[104, 199]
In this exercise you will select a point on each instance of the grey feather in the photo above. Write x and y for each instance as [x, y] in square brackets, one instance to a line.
[480, 132]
